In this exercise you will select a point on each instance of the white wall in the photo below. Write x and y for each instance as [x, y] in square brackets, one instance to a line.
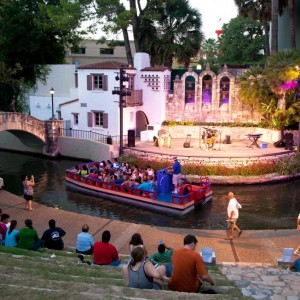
[61, 78]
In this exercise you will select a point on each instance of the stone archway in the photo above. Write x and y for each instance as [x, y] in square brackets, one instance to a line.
[141, 122]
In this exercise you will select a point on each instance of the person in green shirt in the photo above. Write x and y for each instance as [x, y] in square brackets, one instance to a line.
[28, 237]
[163, 256]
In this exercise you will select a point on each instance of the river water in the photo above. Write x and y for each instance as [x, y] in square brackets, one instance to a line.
[271, 206]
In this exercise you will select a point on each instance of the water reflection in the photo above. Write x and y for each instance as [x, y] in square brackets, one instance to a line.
[274, 206]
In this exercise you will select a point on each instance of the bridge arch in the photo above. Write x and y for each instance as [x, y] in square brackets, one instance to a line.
[46, 131]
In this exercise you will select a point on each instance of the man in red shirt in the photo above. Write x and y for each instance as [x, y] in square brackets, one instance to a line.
[188, 268]
[104, 252]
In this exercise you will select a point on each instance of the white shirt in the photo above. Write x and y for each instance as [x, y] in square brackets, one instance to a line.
[234, 206]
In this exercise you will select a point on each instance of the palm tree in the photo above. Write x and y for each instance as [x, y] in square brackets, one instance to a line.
[210, 49]
[169, 29]
[291, 6]
[282, 73]
[257, 10]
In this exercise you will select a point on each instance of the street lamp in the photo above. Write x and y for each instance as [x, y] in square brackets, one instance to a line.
[122, 91]
[52, 91]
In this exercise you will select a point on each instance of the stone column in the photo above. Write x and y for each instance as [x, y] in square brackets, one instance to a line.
[54, 129]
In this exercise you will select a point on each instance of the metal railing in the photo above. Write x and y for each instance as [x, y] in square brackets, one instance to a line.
[91, 135]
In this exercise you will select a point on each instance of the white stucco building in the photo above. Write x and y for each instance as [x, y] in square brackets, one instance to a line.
[83, 96]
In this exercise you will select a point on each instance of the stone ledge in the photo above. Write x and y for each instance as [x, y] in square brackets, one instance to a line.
[268, 178]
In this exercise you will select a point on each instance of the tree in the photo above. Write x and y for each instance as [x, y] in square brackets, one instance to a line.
[241, 42]
[257, 10]
[209, 50]
[36, 33]
[117, 19]
[174, 31]
[282, 73]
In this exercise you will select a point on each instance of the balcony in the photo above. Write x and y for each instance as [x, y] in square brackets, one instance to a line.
[136, 98]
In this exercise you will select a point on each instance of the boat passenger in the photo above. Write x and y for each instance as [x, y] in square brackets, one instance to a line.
[93, 174]
[128, 170]
[84, 171]
[116, 165]
[150, 171]
[109, 164]
[123, 167]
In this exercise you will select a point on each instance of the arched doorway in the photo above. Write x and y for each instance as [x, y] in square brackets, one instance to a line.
[141, 122]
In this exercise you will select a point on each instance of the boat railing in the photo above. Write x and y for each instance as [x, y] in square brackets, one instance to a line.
[111, 186]
[182, 199]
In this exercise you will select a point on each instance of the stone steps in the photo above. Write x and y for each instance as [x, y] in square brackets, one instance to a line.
[33, 275]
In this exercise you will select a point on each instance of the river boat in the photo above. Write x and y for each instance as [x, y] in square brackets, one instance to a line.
[157, 197]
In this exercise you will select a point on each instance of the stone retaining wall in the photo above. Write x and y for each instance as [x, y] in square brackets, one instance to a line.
[236, 133]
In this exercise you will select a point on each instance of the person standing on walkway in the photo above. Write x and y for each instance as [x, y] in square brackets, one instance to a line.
[233, 215]
[28, 185]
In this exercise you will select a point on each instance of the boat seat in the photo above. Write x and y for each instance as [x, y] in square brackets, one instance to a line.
[287, 256]
[208, 256]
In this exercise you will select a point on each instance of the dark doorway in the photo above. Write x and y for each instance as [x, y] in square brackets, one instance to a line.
[141, 122]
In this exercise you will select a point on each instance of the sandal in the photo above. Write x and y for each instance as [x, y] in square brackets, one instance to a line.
[30, 209]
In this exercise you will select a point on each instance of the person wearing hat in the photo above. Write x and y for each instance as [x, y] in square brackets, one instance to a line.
[188, 268]
[176, 171]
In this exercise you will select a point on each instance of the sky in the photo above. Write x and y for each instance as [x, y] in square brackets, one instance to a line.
[214, 13]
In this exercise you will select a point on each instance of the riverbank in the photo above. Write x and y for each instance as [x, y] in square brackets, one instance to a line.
[250, 260]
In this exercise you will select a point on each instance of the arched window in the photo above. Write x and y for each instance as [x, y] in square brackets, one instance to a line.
[206, 90]
[224, 91]
[190, 89]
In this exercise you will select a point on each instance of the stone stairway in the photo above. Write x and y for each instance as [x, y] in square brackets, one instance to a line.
[59, 275]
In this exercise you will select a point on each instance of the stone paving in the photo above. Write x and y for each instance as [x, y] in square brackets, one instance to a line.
[263, 281]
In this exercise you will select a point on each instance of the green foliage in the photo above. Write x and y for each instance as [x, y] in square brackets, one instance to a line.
[36, 33]
[289, 165]
[255, 169]
[241, 42]
[169, 29]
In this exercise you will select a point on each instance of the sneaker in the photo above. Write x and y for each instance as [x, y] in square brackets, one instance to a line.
[296, 252]
[239, 234]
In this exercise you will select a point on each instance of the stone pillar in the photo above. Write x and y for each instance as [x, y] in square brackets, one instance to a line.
[54, 129]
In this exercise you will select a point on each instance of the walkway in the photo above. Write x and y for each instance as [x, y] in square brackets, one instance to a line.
[262, 246]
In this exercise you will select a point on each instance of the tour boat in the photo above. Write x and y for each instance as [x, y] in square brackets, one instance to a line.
[158, 197]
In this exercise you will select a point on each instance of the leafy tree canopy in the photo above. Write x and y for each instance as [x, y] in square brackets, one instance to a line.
[34, 33]
[241, 42]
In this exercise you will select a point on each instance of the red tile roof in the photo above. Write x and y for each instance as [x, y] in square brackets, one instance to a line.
[156, 69]
[106, 65]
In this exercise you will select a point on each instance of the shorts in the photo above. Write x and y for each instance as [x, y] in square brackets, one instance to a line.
[232, 223]
[176, 179]
[28, 197]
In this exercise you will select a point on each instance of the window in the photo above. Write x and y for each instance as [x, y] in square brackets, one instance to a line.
[109, 51]
[75, 118]
[78, 50]
[97, 119]
[97, 82]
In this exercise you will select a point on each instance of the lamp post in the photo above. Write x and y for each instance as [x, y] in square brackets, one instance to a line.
[52, 91]
[122, 91]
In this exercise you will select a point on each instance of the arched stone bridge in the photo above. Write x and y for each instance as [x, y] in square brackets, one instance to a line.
[47, 131]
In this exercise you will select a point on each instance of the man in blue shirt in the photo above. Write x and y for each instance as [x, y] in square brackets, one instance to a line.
[85, 242]
[176, 170]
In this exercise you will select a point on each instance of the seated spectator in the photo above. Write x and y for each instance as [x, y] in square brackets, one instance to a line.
[28, 237]
[141, 273]
[188, 268]
[52, 237]
[136, 241]
[12, 235]
[104, 252]
[163, 256]
[116, 165]
[150, 171]
[85, 241]
[145, 186]
[295, 265]
[3, 227]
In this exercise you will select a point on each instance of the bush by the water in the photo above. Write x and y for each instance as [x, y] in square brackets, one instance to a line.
[284, 166]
